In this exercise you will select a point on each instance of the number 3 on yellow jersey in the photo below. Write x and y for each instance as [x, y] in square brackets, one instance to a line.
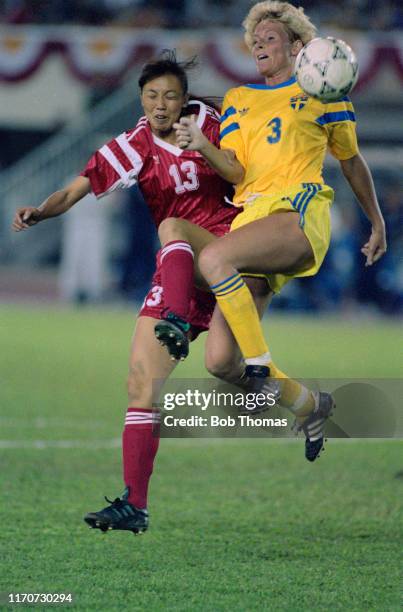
[275, 126]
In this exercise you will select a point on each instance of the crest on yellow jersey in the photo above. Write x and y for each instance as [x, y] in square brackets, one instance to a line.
[298, 102]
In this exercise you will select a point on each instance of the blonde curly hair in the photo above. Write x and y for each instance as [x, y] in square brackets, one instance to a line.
[297, 25]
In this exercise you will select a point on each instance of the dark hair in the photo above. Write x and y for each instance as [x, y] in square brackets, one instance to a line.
[167, 63]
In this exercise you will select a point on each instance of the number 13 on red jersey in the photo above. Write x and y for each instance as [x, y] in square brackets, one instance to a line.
[185, 177]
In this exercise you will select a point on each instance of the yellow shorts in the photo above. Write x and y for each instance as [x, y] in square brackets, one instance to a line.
[312, 201]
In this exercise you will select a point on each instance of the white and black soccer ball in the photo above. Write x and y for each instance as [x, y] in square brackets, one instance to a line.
[326, 69]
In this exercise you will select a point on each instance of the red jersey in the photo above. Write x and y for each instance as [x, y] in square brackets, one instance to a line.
[174, 182]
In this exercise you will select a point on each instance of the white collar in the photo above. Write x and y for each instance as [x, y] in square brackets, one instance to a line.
[199, 121]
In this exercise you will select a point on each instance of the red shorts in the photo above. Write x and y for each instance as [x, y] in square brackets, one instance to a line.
[201, 304]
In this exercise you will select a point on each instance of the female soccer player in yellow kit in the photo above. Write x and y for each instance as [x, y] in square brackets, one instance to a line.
[273, 142]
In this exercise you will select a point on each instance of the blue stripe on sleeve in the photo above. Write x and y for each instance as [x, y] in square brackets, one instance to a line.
[230, 128]
[230, 111]
[336, 117]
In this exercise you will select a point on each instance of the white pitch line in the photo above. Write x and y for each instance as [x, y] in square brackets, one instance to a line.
[44, 444]
[112, 443]
[47, 422]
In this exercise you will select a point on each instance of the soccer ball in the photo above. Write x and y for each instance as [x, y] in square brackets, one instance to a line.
[326, 69]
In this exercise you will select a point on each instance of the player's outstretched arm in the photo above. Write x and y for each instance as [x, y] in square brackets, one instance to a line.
[56, 204]
[359, 176]
[189, 136]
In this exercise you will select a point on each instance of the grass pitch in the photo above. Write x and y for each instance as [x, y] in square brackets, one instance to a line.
[235, 524]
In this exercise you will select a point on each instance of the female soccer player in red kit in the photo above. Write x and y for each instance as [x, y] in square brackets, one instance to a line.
[175, 184]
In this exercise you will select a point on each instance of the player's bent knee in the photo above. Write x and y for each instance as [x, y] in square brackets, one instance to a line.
[171, 229]
[209, 260]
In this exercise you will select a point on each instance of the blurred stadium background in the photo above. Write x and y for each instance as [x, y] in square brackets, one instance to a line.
[68, 80]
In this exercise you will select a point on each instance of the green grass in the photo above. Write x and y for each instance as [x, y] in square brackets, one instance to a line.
[236, 524]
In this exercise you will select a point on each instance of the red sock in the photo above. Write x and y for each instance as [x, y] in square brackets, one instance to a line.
[140, 442]
[177, 276]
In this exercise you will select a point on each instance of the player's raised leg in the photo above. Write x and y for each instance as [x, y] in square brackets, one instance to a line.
[259, 246]
[149, 366]
[223, 357]
[181, 243]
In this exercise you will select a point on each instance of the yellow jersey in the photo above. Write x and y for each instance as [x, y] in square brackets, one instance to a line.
[280, 136]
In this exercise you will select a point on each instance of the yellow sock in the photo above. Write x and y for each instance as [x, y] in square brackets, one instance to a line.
[294, 396]
[237, 305]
